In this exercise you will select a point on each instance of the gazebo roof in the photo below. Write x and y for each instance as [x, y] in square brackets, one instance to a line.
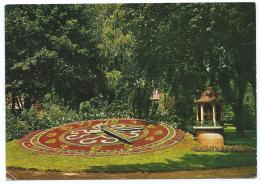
[208, 96]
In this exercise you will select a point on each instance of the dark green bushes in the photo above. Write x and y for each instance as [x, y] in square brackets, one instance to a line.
[99, 108]
[29, 120]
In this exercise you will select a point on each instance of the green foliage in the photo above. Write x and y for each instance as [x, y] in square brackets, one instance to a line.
[29, 120]
[228, 114]
[113, 82]
[139, 101]
[113, 77]
[249, 109]
[51, 47]
[233, 139]
[124, 52]
[98, 108]
[14, 127]
[166, 104]
[115, 42]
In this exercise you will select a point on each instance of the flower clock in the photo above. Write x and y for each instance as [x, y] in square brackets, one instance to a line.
[103, 137]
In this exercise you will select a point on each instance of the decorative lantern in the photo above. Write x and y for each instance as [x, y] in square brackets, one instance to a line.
[155, 101]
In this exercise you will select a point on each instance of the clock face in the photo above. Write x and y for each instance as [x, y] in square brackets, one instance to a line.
[90, 138]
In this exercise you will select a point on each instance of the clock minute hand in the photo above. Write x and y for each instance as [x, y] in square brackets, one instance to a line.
[116, 134]
[119, 128]
[129, 128]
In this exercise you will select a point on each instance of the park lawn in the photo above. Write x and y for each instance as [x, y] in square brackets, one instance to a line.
[175, 158]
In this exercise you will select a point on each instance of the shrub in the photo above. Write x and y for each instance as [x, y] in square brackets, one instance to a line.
[98, 108]
[15, 128]
[29, 120]
[166, 104]
[58, 115]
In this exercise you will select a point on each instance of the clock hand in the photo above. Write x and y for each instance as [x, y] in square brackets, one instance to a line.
[118, 128]
[116, 134]
[129, 128]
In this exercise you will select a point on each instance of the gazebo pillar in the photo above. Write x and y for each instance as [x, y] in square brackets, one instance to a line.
[197, 113]
[202, 113]
[214, 114]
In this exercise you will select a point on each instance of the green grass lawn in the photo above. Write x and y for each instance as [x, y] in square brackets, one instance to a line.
[177, 157]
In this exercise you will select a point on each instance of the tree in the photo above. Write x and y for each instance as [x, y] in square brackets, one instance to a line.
[50, 48]
[76, 50]
[188, 46]
[234, 54]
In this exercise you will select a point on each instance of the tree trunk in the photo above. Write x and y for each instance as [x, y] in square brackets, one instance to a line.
[238, 110]
[238, 120]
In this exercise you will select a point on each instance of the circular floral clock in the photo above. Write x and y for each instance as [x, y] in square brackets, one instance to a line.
[103, 137]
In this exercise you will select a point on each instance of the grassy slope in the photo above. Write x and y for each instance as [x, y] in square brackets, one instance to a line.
[178, 157]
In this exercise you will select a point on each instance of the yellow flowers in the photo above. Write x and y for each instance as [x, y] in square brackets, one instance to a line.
[95, 148]
[64, 128]
[64, 146]
[158, 132]
[50, 141]
[51, 134]
[150, 138]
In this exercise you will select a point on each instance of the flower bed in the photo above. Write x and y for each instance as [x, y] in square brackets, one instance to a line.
[87, 138]
[226, 148]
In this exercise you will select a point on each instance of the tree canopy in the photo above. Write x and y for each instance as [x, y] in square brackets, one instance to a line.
[124, 51]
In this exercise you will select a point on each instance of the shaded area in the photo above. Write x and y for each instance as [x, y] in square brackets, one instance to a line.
[231, 138]
[187, 162]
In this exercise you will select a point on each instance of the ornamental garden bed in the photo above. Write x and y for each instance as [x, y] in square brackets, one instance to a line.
[169, 150]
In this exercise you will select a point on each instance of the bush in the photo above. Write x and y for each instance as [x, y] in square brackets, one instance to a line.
[249, 109]
[58, 115]
[98, 108]
[166, 104]
[228, 114]
[15, 128]
[28, 120]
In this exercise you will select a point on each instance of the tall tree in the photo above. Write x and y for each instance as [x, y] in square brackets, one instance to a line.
[51, 47]
[234, 54]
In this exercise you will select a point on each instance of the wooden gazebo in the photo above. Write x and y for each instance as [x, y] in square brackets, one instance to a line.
[209, 126]
[209, 109]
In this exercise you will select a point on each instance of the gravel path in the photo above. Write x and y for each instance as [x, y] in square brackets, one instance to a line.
[240, 172]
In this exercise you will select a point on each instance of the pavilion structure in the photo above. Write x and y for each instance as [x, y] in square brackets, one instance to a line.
[209, 125]
[155, 102]
[208, 109]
